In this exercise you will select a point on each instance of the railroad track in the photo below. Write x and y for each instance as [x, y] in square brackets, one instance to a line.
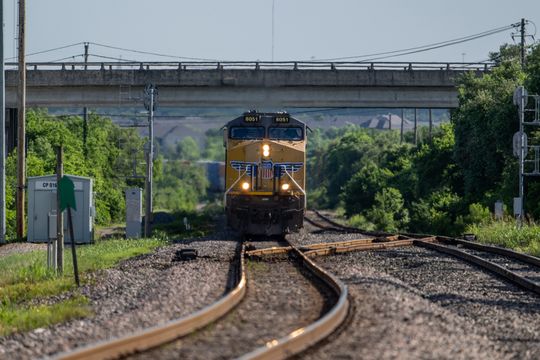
[158, 335]
[328, 224]
[520, 269]
[332, 225]
[278, 348]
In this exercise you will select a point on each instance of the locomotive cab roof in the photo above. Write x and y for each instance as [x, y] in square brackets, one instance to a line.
[266, 119]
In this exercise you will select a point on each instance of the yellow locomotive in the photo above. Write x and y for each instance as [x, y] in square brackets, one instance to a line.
[265, 173]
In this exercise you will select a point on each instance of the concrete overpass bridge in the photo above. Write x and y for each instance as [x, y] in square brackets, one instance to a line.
[242, 84]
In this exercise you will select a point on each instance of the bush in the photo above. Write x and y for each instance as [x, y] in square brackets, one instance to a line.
[360, 222]
[508, 234]
[436, 213]
[388, 213]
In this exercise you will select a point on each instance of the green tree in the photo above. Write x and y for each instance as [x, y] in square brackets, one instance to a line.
[214, 149]
[188, 149]
[388, 212]
[484, 124]
[436, 213]
[180, 186]
[359, 192]
[104, 150]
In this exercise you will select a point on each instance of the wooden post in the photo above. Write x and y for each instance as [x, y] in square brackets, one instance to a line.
[59, 216]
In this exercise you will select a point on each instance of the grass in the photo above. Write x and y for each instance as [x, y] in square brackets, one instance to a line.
[201, 222]
[13, 318]
[506, 233]
[256, 266]
[24, 277]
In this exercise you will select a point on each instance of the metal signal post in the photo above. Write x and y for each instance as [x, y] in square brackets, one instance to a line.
[21, 127]
[520, 150]
[2, 133]
[150, 93]
[522, 147]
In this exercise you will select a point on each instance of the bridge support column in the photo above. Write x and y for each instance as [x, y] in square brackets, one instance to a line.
[415, 127]
[402, 120]
[85, 131]
[430, 124]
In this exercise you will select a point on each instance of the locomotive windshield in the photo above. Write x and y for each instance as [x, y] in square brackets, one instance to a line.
[285, 133]
[247, 132]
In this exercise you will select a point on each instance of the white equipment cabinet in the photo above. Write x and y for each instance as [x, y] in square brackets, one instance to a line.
[42, 205]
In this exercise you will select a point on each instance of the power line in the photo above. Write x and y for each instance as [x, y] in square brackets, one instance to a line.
[435, 47]
[112, 58]
[67, 57]
[428, 46]
[152, 53]
[48, 50]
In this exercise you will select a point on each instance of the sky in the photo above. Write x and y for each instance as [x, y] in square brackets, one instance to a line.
[242, 29]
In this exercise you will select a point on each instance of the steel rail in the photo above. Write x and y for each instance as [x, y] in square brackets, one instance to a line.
[305, 337]
[161, 334]
[349, 228]
[367, 232]
[529, 259]
[320, 226]
[497, 269]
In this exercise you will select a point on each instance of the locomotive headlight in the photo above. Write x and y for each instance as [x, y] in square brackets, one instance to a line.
[285, 187]
[245, 186]
[266, 150]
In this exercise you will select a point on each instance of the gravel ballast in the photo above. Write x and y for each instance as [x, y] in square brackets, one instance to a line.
[144, 291]
[280, 298]
[412, 303]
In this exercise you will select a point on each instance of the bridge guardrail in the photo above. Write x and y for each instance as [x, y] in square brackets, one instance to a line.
[255, 65]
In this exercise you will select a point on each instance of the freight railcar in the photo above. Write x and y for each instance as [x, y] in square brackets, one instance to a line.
[265, 173]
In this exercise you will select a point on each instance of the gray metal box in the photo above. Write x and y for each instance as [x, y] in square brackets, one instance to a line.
[42, 202]
[133, 212]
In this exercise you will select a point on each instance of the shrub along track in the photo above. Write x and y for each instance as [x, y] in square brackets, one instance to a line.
[287, 295]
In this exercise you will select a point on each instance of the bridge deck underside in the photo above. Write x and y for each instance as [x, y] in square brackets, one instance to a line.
[240, 88]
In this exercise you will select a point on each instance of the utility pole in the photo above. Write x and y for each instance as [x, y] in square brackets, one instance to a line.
[150, 94]
[21, 127]
[59, 213]
[522, 42]
[273, 9]
[86, 45]
[3, 132]
[85, 109]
